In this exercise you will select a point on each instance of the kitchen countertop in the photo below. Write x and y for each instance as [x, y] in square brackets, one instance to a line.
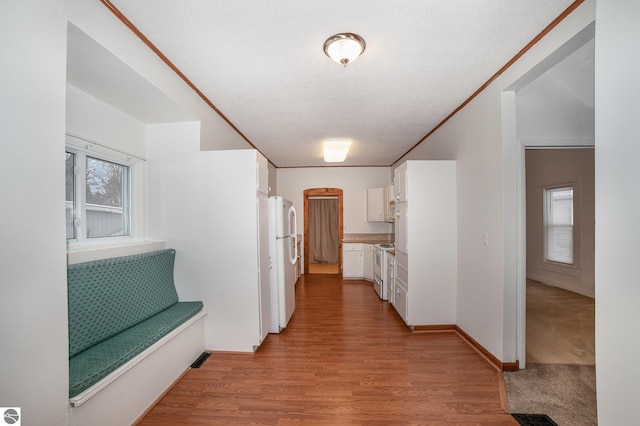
[368, 238]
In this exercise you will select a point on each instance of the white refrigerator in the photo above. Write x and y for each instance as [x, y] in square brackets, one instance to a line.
[283, 255]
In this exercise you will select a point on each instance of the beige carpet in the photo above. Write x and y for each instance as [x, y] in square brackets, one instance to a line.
[566, 393]
[560, 326]
[559, 380]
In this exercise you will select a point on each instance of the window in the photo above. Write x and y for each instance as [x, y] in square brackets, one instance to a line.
[98, 197]
[558, 223]
[70, 192]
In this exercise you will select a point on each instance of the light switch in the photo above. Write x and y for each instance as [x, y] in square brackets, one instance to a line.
[485, 239]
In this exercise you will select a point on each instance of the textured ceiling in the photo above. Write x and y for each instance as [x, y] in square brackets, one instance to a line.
[262, 64]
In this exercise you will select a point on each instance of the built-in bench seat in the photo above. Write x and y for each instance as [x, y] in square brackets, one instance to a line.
[121, 311]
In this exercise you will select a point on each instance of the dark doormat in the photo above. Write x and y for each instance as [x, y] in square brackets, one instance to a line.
[534, 420]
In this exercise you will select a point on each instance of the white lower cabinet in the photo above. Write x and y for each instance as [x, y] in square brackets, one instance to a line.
[400, 286]
[352, 260]
[390, 282]
[400, 302]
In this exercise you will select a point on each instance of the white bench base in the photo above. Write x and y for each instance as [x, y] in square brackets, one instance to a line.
[124, 395]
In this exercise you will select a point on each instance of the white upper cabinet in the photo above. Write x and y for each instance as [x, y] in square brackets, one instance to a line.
[380, 202]
[400, 183]
[389, 203]
[375, 204]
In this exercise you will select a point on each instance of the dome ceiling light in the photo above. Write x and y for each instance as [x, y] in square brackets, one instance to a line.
[344, 48]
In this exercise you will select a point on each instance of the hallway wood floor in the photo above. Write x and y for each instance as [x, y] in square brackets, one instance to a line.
[346, 358]
[324, 268]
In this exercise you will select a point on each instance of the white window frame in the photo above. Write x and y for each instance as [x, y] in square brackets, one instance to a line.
[82, 149]
[546, 207]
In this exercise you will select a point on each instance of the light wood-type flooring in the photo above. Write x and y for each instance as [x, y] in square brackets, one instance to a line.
[346, 358]
[324, 268]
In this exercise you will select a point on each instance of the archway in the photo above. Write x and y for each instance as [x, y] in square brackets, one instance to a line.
[322, 192]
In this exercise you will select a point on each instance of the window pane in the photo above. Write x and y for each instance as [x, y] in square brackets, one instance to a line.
[70, 163]
[559, 225]
[106, 215]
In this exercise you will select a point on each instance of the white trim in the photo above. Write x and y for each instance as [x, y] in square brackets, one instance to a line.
[83, 397]
[88, 145]
[546, 213]
[559, 143]
[83, 148]
[521, 292]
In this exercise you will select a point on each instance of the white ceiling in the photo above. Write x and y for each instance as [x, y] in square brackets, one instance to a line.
[262, 64]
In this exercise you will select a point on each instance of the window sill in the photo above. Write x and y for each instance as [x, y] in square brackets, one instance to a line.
[94, 250]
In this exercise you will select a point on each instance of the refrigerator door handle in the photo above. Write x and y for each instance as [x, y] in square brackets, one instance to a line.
[292, 251]
[293, 225]
[293, 222]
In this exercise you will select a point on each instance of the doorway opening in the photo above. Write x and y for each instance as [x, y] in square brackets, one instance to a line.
[323, 230]
[560, 253]
[549, 108]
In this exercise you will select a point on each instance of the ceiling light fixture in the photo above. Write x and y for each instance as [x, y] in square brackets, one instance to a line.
[336, 150]
[344, 48]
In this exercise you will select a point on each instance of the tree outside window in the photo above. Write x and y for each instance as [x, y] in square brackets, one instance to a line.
[97, 197]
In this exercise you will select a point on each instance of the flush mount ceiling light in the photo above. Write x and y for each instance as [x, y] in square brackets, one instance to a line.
[344, 48]
[336, 150]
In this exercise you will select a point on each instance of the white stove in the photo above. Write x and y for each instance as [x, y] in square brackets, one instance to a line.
[380, 269]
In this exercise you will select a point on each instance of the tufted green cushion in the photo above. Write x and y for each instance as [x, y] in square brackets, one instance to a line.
[110, 295]
[95, 363]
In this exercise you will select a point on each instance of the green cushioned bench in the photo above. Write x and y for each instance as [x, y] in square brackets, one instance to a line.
[118, 308]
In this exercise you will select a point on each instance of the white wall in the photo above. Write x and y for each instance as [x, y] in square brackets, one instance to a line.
[354, 181]
[33, 281]
[550, 167]
[549, 114]
[95, 20]
[92, 119]
[617, 156]
[473, 137]
[203, 204]
[556, 109]
[34, 360]
[166, 144]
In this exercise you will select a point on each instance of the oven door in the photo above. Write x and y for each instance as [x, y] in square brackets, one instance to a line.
[377, 263]
[377, 286]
